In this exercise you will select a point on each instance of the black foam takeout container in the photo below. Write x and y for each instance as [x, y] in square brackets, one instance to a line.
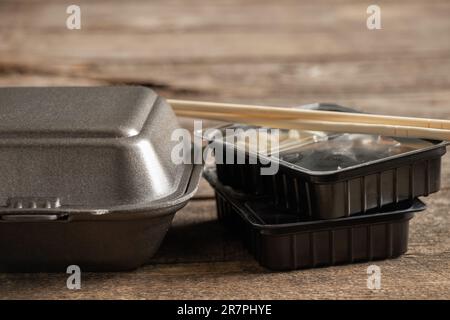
[282, 241]
[87, 177]
[328, 176]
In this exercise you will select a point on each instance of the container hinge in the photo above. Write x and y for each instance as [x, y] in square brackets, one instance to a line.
[33, 203]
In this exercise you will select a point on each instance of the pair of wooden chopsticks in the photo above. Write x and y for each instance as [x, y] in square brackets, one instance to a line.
[331, 121]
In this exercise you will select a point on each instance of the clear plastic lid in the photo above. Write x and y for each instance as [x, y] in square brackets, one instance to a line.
[317, 151]
[346, 150]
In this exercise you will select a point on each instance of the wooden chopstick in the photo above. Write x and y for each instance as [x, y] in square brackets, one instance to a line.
[291, 113]
[329, 126]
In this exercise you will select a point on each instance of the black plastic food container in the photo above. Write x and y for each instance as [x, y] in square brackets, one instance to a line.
[281, 241]
[87, 177]
[376, 172]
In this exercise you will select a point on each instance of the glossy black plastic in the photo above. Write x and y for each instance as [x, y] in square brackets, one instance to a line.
[281, 241]
[343, 192]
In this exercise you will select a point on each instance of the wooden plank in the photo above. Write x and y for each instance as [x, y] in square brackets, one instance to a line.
[215, 16]
[196, 236]
[278, 79]
[432, 103]
[237, 280]
[284, 53]
[251, 33]
[75, 49]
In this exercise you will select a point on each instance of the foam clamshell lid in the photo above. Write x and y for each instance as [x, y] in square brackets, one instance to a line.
[87, 177]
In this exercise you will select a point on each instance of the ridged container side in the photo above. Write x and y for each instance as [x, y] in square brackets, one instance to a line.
[353, 193]
[318, 246]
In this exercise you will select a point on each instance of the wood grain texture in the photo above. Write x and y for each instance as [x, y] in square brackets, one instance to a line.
[286, 53]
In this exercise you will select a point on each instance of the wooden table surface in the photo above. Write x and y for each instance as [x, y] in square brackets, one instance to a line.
[285, 52]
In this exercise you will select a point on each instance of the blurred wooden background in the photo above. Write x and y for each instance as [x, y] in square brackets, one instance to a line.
[285, 52]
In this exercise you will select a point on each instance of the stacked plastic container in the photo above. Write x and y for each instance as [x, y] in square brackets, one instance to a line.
[332, 199]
